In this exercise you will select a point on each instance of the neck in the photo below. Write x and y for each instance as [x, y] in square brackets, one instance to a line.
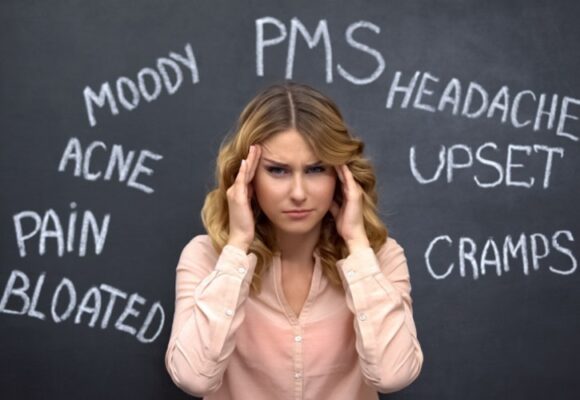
[298, 249]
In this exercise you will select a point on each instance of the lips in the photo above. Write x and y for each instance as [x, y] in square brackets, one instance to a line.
[297, 214]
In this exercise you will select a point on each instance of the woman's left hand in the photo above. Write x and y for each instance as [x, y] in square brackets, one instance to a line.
[349, 218]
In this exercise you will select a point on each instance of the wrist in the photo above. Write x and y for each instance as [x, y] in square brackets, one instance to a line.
[239, 244]
[357, 244]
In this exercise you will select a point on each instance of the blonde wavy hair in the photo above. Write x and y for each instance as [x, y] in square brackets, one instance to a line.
[278, 108]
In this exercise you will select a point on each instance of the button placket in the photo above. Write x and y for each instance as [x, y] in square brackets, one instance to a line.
[298, 363]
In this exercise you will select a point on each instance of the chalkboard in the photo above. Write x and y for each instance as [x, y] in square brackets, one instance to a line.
[111, 114]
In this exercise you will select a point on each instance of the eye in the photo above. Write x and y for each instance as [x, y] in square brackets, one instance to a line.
[318, 168]
[275, 170]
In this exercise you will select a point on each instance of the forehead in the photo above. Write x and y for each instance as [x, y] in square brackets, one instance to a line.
[287, 147]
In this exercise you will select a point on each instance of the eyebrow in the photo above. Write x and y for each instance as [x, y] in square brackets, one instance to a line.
[286, 165]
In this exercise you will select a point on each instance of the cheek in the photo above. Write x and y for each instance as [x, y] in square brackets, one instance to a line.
[325, 190]
[258, 185]
[266, 189]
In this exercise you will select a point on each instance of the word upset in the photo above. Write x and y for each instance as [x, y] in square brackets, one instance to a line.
[474, 260]
[91, 307]
[449, 161]
[128, 93]
[127, 170]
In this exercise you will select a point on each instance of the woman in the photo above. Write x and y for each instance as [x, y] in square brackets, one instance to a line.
[296, 291]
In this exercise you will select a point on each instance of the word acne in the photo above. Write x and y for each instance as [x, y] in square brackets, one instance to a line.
[124, 163]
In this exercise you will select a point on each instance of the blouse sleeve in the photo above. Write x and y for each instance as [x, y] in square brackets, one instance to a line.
[209, 295]
[378, 292]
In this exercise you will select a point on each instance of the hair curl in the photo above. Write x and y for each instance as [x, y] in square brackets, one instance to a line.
[276, 109]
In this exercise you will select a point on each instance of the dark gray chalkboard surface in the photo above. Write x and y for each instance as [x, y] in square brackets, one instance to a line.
[470, 111]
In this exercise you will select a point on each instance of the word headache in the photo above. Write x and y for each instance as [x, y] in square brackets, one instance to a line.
[525, 248]
[502, 104]
[117, 160]
[129, 94]
[50, 227]
[421, 85]
[65, 296]
[448, 157]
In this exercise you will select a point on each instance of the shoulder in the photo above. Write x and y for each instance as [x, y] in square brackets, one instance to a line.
[391, 249]
[199, 249]
[199, 240]
[392, 258]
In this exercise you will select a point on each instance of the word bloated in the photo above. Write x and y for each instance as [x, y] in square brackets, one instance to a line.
[64, 302]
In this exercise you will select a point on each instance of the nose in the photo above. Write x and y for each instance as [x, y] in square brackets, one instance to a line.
[298, 190]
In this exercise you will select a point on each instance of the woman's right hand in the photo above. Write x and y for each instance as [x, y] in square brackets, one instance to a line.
[239, 201]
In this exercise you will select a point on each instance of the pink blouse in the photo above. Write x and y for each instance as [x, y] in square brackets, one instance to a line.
[226, 345]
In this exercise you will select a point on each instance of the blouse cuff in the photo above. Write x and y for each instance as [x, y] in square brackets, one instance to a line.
[358, 265]
[234, 261]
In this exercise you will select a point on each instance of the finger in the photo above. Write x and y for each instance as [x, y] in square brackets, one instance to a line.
[239, 181]
[352, 183]
[348, 173]
[339, 172]
[241, 171]
[345, 180]
[255, 161]
[250, 192]
[334, 209]
[249, 163]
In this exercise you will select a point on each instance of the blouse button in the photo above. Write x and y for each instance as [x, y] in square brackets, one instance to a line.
[298, 338]
[350, 273]
[242, 270]
[362, 316]
[229, 312]
[297, 375]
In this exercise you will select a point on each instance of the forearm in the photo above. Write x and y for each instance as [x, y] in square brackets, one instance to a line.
[207, 318]
[386, 339]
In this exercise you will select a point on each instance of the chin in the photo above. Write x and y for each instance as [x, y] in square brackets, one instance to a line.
[300, 227]
[296, 229]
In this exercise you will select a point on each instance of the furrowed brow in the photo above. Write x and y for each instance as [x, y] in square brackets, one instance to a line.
[287, 166]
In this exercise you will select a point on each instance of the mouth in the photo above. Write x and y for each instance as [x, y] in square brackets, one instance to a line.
[297, 213]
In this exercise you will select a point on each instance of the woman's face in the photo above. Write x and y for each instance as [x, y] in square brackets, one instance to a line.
[290, 177]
